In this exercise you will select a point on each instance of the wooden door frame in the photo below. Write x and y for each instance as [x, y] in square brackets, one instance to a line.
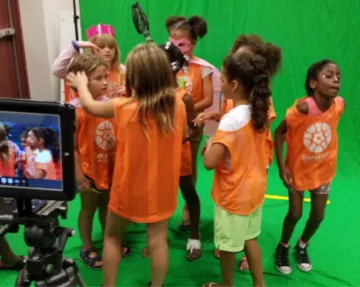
[19, 48]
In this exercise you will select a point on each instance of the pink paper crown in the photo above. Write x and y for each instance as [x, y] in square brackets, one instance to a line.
[100, 29]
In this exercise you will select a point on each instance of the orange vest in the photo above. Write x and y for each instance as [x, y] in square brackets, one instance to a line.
[241, 189]
[186, 158]
[8, 168]
[96, 143]
[227, 105]
[147, 169]
[115, 80]
[193, 75]
[312, 144]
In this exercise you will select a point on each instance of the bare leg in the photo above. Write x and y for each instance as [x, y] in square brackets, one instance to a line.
[89, 203]
[293, 216]
[158, 247]
[227, 261]
[193, 203]
[318, 204]
[253, 254]
[194, 152]
[114, 234]
[103, 204]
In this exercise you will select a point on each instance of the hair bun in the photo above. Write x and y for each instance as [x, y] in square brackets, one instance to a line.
[259, 62]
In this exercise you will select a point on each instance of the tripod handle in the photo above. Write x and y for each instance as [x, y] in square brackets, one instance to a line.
[5, 229]
[9, 225]
[64, 234]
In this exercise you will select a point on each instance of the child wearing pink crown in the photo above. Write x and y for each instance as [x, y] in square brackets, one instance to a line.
[101, 42]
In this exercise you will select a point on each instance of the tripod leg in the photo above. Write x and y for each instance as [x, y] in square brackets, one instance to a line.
[79, 280]
[22, 280]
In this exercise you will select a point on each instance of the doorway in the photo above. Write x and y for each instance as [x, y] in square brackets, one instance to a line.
[13, 75]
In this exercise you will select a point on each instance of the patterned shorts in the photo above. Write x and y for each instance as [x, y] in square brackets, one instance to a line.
[324, 189]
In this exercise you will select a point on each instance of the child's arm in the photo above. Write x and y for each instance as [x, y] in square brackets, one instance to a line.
[60, 65]
[191, 115]
[83, 183]
[207, 116]
[213, 154]
[208, 89]
[101, 109]
[279, 147]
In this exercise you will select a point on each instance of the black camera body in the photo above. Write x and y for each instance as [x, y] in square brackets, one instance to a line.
[37, 163]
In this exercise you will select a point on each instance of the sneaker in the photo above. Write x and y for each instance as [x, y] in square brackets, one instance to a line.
[282, 259]
[302, 258]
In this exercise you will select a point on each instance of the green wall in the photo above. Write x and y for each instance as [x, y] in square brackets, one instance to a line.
[306, 30]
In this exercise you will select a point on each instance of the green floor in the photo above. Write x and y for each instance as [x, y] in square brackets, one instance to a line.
[334, 250]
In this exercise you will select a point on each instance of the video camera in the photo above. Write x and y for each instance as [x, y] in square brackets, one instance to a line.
[37, 167]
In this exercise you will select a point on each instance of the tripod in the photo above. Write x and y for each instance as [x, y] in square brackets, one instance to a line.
[45, 264]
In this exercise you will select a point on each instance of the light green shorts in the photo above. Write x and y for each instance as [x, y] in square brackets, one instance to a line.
[232, 230]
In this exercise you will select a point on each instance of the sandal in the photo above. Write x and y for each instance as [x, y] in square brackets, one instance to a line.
[185, 225]
[193, 244]
[91, 261]
[126, 251]
[17, 266]
[242, 260]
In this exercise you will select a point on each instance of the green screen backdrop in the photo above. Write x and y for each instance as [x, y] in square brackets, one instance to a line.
[307, 31]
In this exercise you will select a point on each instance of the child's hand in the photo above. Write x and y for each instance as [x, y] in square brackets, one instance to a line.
[199, 121]
[119, 91]
[83, 183]
[87, 44]
[76, 80]
[285, 175]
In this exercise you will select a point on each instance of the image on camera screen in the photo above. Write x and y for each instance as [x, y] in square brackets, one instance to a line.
[30, 151]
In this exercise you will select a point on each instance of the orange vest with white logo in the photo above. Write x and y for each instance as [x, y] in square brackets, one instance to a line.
[312, 145]
[241, 189]
[96, 143]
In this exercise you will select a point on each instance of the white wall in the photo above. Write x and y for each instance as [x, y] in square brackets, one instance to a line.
[41, 32]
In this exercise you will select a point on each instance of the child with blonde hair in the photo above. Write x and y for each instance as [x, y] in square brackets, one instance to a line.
[95, 151]
[152, 125]
[101, 42]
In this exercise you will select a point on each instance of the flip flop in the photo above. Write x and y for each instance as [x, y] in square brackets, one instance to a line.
[17, 266]
[185, 225]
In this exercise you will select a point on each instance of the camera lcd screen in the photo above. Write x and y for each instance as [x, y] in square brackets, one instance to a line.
[30, 151]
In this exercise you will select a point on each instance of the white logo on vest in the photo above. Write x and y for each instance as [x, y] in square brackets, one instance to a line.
[105, 135]
[317, 137]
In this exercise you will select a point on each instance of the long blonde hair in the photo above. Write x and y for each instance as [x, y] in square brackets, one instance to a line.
[149, 75]
[109, 41]
[85, 63]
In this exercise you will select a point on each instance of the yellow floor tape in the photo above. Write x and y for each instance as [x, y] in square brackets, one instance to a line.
[278, 197]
